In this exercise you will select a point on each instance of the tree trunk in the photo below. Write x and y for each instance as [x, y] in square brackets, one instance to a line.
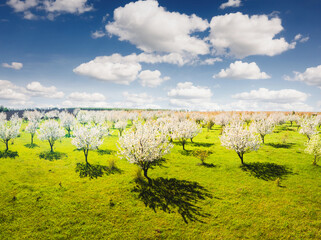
[31, 139]
[241, 157]
[262, 138]
[7, 145]
[51, 146]
[291, 123]
[192, 140]
[86, 157]
[183, 143]
[315, 160]
[145, 175]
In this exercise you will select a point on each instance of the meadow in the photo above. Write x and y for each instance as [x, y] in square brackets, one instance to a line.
[276, 195]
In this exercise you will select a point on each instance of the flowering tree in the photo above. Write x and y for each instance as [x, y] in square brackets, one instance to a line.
[3, 116]
[50, 131]
[52, 114]
[263, 127]
[222, 119]
[121, 126]
[240, 139]
[9, 129]
[34, 116]
[184, 130]
[87, 138]
[314, 148]
[32, 129]
[83, 117]
[144, 145]
[67, 120]
[308, 127]
[293, 118]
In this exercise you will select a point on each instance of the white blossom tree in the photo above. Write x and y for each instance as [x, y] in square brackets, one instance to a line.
[144, 144]
[240, 139]
[51, 131]
[87, 138]
[293, 118]
[67, 120]
[184, 130]
[3, 116]
[263, 127]
[32, 129]
[121, 126]
[314, 148]
[9, 129]
[308, 126]
[34, 116]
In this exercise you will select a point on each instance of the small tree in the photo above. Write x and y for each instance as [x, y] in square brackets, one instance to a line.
[314, 148]
[185, 130]
[308, 127]
[67, 120]
[202, 155]
[32, 129]
[121, 126]
[240, 139]
[50, 131]
[263, 127]
[144, 145]
[87, 138]
[9, 130]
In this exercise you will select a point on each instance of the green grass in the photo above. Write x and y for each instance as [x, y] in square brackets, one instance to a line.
[276, 196]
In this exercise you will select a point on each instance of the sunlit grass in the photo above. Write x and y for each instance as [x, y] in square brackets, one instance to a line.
[41, 199]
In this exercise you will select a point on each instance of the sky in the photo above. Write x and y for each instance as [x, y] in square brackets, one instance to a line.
[206, 55]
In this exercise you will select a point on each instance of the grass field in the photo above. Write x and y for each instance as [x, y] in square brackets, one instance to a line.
[276, 196]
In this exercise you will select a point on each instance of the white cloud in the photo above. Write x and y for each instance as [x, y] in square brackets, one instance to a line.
[38, 90]
[29, 15]
[286, 96]
[151, 78]
[68, 6]
[300, 38]
[210, 61]
[114, 68]
[152, 28]
[87, 97]
[138, 99]
[21, 6]
[231, 3]
[191, 97]
[242, 70]
[13, 65]
[97, 34]
[10, 91]
[311, 76]
[241, 35]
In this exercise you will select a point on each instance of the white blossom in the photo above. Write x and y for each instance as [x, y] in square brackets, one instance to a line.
[314, 147]
[32, 129]
[34, 116]
[67, 121]
[308, 126]
[50, 131]
[240, 139]
[9, 129]
[144, 145]
[184, 130]
[263, 127]
[121, 126]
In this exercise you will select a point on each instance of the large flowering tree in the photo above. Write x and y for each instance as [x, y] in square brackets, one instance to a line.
[144, 144]
[263, 127]
[67, 120]
[184, 130]
[32, 129]
[308, 127]
[240, 139]
[87, 138]
[9, 129]
[314, 148]
[50, 131]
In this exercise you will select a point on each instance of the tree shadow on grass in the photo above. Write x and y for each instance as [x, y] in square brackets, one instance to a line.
[105, 152]
[281, 145]
[170, 195]
[208, 165]
[31, 145]
[195, 144]
[186, 152]
[8, 154]
[95, 170]
[52, 155]
[266, 171]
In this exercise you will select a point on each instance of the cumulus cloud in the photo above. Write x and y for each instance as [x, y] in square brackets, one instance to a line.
[231, 3]
[74, 6]
[21, 6]
[152, 28]
[13, 65]
[88, 97]
[151, 78]
[10, 91]
[114, 68]
[38, 90]
[191, 97]
[311, 76]
[242, 70]
[278, 96]
[98, 34]
[241, 35]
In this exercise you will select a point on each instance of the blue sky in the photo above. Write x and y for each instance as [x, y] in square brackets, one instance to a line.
[197, 55]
